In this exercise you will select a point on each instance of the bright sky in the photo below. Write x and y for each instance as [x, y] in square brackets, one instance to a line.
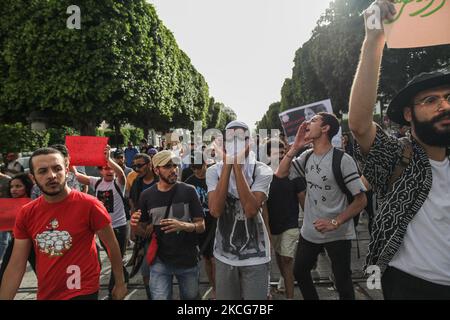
[244, 48]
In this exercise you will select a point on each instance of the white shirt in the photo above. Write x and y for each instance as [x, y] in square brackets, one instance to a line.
[107, 193]
[425, 251]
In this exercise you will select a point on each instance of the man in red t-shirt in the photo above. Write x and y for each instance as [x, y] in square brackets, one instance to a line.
[61, 228]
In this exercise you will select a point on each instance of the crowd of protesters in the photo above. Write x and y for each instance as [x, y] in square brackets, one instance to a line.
[222, 203]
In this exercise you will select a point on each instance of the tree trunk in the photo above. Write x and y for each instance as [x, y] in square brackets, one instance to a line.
[117, 134]
[87, 129]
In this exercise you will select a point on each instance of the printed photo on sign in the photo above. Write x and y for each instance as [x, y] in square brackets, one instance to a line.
[107, 198]
[293, 118]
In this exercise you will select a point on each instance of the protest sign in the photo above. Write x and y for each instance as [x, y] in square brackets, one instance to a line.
[86, 150]
[292, 119]
[419, 24]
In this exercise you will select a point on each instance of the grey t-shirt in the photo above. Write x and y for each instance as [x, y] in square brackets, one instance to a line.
[324, 199]
[241, 241]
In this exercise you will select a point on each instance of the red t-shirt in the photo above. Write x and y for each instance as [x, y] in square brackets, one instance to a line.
[63, 239]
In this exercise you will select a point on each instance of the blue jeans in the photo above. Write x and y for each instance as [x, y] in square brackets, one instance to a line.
[5, 237]
[161, 276]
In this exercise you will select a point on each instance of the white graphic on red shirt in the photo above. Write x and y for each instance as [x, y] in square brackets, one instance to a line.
[54, 242]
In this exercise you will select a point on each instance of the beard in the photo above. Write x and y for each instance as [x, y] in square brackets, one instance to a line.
[61, 188]
[170, 179]
[427, 132]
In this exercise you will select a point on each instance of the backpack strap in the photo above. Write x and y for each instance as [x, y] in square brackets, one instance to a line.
[407, 154]
[337, 172]
[96, 185]
[253, 176]
[118, 190]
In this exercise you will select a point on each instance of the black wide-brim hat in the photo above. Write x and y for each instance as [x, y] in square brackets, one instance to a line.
[421, 82]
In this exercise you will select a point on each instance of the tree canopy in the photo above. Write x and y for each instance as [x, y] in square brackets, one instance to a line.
[122, 66]
[325, 65]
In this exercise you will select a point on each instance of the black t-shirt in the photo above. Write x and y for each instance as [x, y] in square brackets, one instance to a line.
[138, 187]
[176, 249]
[186, 173]
[202, 191]
[283, 204]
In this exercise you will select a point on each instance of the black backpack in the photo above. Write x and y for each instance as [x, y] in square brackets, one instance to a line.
[336, 167]
[337, 172]
[126, 205]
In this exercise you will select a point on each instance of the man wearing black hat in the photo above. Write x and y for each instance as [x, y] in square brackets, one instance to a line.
[410, 239]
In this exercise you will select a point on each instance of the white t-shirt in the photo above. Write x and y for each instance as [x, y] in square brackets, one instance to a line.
[107, 194]
[241, 241]
[425, 251]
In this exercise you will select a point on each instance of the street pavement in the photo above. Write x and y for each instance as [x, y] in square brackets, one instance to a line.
[321, 276]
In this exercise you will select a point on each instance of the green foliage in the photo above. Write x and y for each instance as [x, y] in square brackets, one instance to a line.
[271, 120]
[129, 134]
[123, 66]
[19, 138]
[58, 135]
[325, 65]
[226, 115]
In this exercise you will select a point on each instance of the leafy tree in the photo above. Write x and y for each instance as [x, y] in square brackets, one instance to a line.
[271, 119]
[325, 65]
[123, 66]
[20, 138]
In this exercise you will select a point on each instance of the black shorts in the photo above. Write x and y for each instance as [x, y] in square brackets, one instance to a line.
[206, 239]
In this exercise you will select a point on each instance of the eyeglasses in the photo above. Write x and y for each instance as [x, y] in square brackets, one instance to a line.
[138, 166]
[170, 166]
[433, 101]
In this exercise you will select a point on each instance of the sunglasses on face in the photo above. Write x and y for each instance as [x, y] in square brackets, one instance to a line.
[170, 166]
[138, 166]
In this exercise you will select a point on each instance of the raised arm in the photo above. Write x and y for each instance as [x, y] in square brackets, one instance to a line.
[299, 143]
[216, 198]
[82, 178]
[363, 95]
[116, 168]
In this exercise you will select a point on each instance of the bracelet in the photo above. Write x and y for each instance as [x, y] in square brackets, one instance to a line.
[195, 227]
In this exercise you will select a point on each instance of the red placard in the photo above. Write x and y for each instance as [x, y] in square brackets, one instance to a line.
[86, 151]
[9, 208]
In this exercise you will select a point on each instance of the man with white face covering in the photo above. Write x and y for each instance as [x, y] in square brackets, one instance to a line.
[237, 188]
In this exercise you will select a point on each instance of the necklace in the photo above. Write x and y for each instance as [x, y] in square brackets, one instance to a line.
[317, 164]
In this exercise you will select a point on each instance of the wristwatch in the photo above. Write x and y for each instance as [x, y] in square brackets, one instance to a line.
[335, 223]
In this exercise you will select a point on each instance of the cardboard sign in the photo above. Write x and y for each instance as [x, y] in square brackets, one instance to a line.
[9, 208]
[293, 118]
[87, 151]
[419, 23]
